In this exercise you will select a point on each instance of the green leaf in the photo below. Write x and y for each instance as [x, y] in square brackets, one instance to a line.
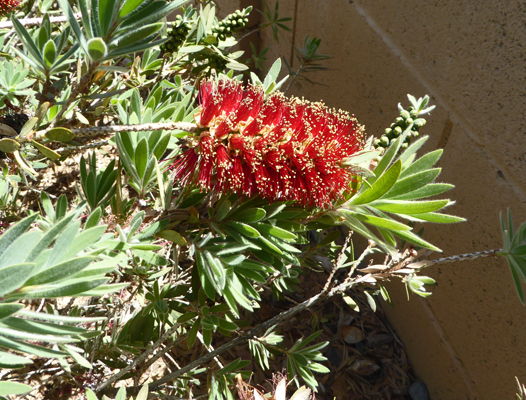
[50, 53]
[273, 74]
[8, 145]
[251, 215]
[10, 388]
[14, 276]
[428, 190]
[410, 152]
[413, 182]
[192, 333]
[141, 157]
[382, 222]
[223, 209]
[121, 51]
[9, 360]
[150, 257]
[47, 152]
[389, 155]
[60, 271]
[107, 11]
[29, 348]
[275, 231]
[232, 248]
[131, 5]
[14, 232]
[66, 9]
[90, 394]
[10, 308]
[71, 287]
[29, 44]
[30, 124]
[121, 394]
[437, 218]
[409, 207]
[423, 163]
[382, 185]
[24, 335]
[66, 319]
[518, 286]
[63, 135]
[245, 229]
[370, 300]
[77, 357]
[151, 13]
[97, 49]
[172, 236]
[136, 35]
[143, 393]
[409, 236]
[186, 317]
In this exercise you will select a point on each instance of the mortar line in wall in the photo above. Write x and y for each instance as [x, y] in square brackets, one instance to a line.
[511, 177]
[449, 348]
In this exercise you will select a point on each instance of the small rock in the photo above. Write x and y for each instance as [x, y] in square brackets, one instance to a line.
[418, 391]
[364, 367]
[352, 334]
[378, 340]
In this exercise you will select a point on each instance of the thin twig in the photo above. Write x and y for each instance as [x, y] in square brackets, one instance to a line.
[295, 76]
[339, 261]
[463, 257]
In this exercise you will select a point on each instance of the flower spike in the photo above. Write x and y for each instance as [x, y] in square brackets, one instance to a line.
[278, 148]
[7, 5]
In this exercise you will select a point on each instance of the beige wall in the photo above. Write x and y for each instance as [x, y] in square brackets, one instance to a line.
[467, 340]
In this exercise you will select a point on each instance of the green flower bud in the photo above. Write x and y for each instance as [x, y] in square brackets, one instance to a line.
[404, 145]
[388, 131]
[419, 122]
[413, 113]
[404, 114]
[399, 120]
[397, 131]
[409, 121]
[384, 141]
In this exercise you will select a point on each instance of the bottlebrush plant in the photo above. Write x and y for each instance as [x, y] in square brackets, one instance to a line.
[192, 192]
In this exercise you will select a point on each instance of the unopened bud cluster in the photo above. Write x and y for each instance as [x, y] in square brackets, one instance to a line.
[177, 35]
[230, 25]
[406, 119]
[217, 62]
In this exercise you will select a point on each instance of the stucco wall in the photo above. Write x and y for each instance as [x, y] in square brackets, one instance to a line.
[467, 340]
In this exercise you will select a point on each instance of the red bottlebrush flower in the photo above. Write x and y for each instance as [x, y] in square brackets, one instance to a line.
[8, 5]
[279, 148]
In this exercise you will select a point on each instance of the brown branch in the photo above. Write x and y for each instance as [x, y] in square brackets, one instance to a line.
[35, 21]
[101, 130]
